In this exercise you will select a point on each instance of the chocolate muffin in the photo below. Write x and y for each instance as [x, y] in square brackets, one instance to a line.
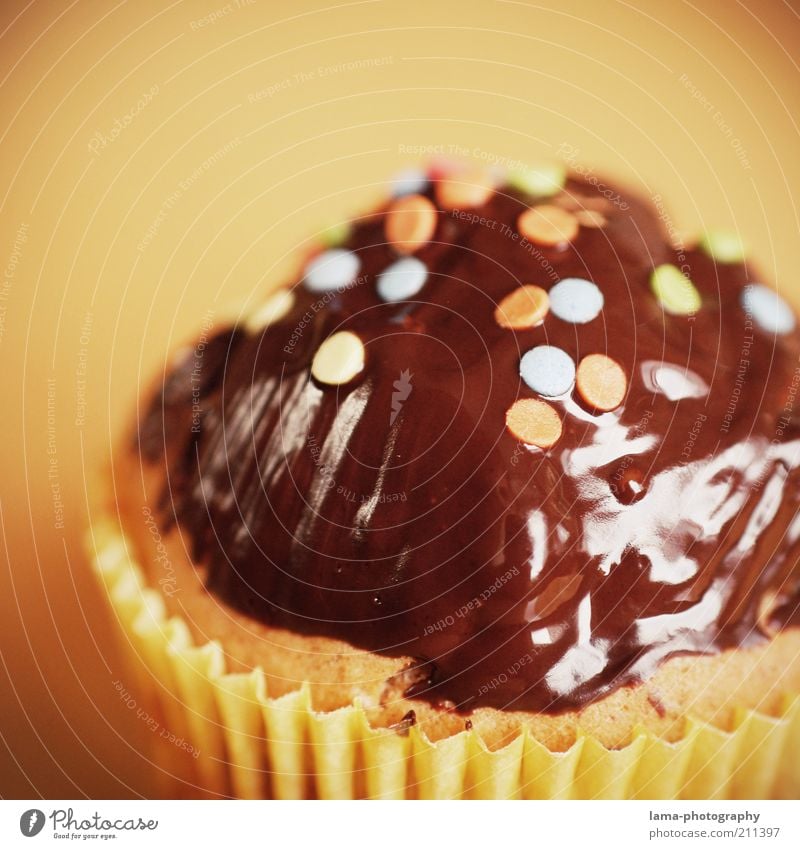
[504, 458]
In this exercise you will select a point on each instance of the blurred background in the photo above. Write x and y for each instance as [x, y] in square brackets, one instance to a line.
[163, 162]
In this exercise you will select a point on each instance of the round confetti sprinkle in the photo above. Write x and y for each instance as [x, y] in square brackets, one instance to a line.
[541, 180]
[569, 201]
[601, 382]
[338, 359]
[411, 181]
[524, 307]
[723, 246]
[768, 309]
[534, 422]
[548, 370]
[336, 234]
[272, 310]
[591, 218]
[442, 167]
[402, 279]
[576, 300]
[463, 191]
[410, 223]
[548, 225]
[333, 269]
[675, 291]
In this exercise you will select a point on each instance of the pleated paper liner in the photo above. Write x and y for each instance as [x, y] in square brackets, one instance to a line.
[250, 745]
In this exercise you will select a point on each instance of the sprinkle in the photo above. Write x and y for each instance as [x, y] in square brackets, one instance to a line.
[272, 310]
[723, 246]
[541, 180]
[534, 422]
[768, 309]
[333, 269]
[548, 225]
[442, 167]
[338, 359]
[591, 218]
[336, 234]
[568, 201]
[576, 300]
[587, 203]
[523, 308]
[410, 223]
[410, 181]
[674, 290]
[601, 382]
[402, 279]
[463, 191]
[548, 370]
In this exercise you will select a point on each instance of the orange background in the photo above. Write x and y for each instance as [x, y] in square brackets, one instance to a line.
[242, 129]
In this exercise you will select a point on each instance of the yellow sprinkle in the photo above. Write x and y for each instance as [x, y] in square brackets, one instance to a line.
[335, 235]
[723, 246]
[272, 310]
[676, 292]
[541, 180]
[338, 359]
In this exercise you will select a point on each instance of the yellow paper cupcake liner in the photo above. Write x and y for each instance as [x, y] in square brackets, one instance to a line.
[250, 745]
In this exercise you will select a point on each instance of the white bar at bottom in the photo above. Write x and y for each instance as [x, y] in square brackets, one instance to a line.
[401, 825]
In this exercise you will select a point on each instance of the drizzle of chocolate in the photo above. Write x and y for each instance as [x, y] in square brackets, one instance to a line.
[523, 578]
[408, 721]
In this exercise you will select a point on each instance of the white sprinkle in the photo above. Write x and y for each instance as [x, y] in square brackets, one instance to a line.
[768, 309]
[331, 270]
[575, 300]
[548, 370]
[402, 279]
[411, 181]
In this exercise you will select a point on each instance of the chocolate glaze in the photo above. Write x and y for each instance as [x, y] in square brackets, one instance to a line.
[517, 578]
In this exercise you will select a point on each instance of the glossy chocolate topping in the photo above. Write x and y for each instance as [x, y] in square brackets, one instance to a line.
[397, 511]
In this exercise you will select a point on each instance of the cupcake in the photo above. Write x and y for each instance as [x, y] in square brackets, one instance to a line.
[498, 499]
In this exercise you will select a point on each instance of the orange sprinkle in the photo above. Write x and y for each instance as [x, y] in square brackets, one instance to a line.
[465, 190]
[591, 218]
[534, 422]
[601, 382]
[548, 225]
[524, 307]
[410, 223]
[575, 202]
[567, 201]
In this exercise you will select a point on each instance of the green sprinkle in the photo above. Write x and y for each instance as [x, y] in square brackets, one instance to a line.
[335, 235]
[540, 180]
[723, 246]
[674, 290]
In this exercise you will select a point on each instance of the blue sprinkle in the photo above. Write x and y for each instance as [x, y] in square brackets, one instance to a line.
[548, 370]
[768, 309]
[576, 300]
[402, 279]
[334, 269]
[412, 181]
